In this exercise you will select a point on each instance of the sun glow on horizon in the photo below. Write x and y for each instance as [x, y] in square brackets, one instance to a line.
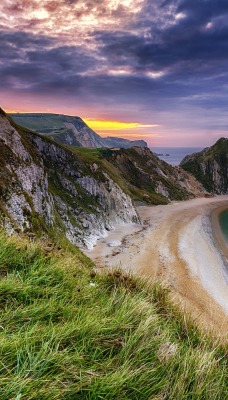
[130, 135]
[103, 125]
[125, 130]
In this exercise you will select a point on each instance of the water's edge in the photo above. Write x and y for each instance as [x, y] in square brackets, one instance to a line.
[221, 241]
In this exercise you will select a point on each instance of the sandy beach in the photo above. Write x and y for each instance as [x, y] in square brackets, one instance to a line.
[181, 244]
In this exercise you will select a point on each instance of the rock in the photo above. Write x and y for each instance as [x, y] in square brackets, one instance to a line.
[114, 243]
[210, 167]
[166, 351]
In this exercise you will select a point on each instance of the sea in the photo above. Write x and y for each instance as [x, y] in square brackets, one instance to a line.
[174, 155]
[223, 221]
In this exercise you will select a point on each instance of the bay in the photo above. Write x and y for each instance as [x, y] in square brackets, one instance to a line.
[174, 155]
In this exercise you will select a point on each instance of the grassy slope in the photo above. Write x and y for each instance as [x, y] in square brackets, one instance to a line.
[69, 334]
[39, 121]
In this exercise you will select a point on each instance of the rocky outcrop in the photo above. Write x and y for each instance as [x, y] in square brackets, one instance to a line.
[72, 131]
[210, 167]
[44, 185]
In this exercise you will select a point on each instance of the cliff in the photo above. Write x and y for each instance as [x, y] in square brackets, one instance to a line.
[79, 193]
[210, 167]
[45, 186]
[70, 130]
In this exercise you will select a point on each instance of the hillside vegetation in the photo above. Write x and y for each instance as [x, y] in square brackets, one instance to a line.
[67, 333]
[142, 175]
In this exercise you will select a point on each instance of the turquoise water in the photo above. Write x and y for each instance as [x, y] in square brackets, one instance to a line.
[223, 221]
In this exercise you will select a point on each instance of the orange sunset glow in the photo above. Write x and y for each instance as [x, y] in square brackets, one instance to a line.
[102, 125]
[115, 125]
[128, 130]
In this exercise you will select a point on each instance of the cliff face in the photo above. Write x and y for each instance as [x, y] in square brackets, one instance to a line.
[23, 180]
[210, 167]
[45, 185]
[86, 199]
[78, 192]
[72, 131]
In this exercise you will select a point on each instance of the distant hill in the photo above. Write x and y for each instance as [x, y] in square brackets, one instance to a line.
[210, 167]
[69, 130]
[123, 143]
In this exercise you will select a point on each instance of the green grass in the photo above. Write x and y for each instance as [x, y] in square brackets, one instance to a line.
[68, 333]
[88, 155]
[38, 121]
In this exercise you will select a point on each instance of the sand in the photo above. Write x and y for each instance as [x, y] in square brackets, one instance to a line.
[181, 244]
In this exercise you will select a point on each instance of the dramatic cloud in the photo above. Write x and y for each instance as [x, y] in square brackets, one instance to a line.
[143, 62]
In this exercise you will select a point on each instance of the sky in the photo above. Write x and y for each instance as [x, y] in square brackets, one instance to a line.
[140, 69]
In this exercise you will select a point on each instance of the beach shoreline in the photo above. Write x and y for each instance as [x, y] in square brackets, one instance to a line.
[181, 245]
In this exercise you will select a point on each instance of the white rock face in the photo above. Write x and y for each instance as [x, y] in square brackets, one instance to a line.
[216, 173]
[114, 201]
[28, 192]
[161, 189]
[86, 137]
[11, 138]
[15, 206]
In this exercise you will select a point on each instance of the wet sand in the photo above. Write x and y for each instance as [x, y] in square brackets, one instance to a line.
[181, 244]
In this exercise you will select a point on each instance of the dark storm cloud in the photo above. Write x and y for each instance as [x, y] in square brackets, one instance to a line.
[23, 40]
[32, 63]
[192, 52]
[202, 10]
[183, 44]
